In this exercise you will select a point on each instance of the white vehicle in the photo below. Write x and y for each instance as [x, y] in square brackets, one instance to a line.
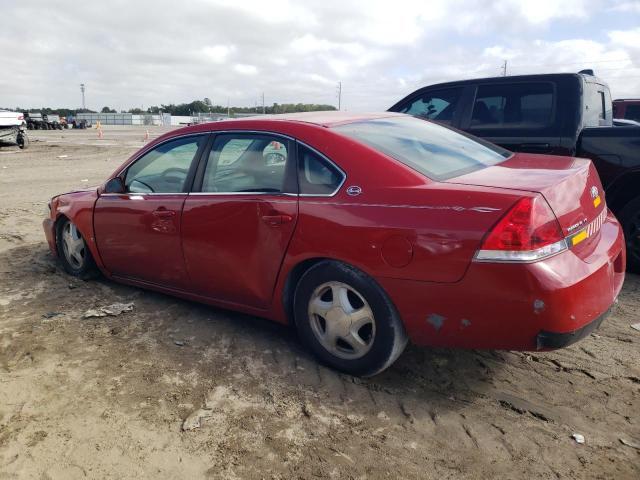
[12, 128]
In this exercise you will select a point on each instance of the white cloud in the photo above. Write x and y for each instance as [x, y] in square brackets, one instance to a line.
[297, 50]
[217, 53]
[244, 69]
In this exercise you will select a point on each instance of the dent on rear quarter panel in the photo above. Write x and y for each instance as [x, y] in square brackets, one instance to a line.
[444, 227]
[78, 207]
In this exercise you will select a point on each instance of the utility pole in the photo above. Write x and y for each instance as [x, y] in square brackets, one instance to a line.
[339, 94]
[263, 111]
[84, 107]
[504, 69]
[228, 111]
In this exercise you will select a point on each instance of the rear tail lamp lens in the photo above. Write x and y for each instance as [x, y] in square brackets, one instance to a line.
[529, 231]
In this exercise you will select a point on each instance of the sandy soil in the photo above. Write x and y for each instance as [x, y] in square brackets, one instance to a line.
[107, 397]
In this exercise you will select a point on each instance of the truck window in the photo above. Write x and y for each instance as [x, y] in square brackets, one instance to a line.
[438, 105]
[517, 105]
[632, 112]
[597, 105]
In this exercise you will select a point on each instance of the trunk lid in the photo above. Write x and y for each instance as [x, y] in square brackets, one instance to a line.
[570, 185]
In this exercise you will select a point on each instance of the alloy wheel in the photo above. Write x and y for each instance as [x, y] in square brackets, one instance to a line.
[342, 320]
[73, 246]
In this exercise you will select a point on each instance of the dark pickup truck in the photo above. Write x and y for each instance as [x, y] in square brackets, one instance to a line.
[555, 114]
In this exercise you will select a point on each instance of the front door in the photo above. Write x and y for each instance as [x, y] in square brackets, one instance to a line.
[138, 232]
[237, 223]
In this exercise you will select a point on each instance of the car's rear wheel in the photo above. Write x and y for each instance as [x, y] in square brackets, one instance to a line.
[630, 220]
[347, 320]
[73, 251]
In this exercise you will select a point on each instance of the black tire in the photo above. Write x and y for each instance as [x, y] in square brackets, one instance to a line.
[23, 141]
[630, 219]
[389, 338]
[87, 268]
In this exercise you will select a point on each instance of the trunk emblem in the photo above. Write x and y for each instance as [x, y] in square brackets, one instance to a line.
[354, 190]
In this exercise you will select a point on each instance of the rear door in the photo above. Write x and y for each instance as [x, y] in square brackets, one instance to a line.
[138, 232]
[238, 221]
[519, 116]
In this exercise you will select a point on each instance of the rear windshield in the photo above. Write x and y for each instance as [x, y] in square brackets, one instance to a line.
[433, 150]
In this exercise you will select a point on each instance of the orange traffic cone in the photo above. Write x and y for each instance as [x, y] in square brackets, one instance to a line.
[146, 134]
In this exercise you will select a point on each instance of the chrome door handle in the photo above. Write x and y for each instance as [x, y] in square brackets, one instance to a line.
[163, 213]
[276, 220]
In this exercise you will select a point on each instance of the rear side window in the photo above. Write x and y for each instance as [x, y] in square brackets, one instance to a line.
[246, 163]
[518, 105]
[435, 151]
[316, 175]
[438, 105]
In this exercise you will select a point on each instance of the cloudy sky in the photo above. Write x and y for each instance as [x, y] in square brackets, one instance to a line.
[142, 53]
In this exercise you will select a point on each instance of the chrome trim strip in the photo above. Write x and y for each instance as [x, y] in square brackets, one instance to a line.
[128, 194]
[275, 194]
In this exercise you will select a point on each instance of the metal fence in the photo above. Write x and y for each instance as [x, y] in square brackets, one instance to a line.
[149, 119]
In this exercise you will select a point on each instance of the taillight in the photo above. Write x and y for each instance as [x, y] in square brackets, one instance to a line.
[20, 117]
[529, 231]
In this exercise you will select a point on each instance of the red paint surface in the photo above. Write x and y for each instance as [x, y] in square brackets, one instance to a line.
[415, 237]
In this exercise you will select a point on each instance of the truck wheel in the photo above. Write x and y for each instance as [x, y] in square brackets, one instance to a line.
[630, 220]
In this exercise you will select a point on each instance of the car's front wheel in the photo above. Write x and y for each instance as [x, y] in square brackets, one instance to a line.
[347, 320]
[73, 251]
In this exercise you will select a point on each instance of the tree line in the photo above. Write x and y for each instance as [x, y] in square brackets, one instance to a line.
[186, 109]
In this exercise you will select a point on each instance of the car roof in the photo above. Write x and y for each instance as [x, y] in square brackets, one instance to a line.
[325, 119]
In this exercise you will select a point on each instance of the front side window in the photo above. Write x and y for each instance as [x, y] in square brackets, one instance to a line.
[438, 105]
[246, 163]
[163, 169]
[436, 151]
[518, 105]
[316, 175]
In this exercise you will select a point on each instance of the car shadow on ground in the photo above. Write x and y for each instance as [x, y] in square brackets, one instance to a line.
[165, 337]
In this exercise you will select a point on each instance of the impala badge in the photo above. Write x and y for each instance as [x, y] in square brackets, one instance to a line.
[354, 190]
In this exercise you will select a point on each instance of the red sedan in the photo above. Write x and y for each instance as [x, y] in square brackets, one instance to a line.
[363, 231]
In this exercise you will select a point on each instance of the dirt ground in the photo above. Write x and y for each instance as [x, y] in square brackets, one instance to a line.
[107, 397]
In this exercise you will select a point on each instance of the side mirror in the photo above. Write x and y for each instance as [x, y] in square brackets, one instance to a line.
[115, 185]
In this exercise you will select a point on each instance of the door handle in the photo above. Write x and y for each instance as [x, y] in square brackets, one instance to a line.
[275, 220]
[163, 213]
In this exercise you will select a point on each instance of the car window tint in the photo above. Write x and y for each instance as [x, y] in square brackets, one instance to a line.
[632, 112]
[245, 163]
[518, 105]
[233, 150]
[438, 105]
[163, 169]
[436, 151]
[316, 176]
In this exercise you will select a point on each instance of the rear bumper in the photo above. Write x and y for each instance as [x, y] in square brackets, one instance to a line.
[542, 305]
[554, 340]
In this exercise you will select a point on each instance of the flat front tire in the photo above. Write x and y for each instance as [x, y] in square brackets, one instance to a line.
[345, 318]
